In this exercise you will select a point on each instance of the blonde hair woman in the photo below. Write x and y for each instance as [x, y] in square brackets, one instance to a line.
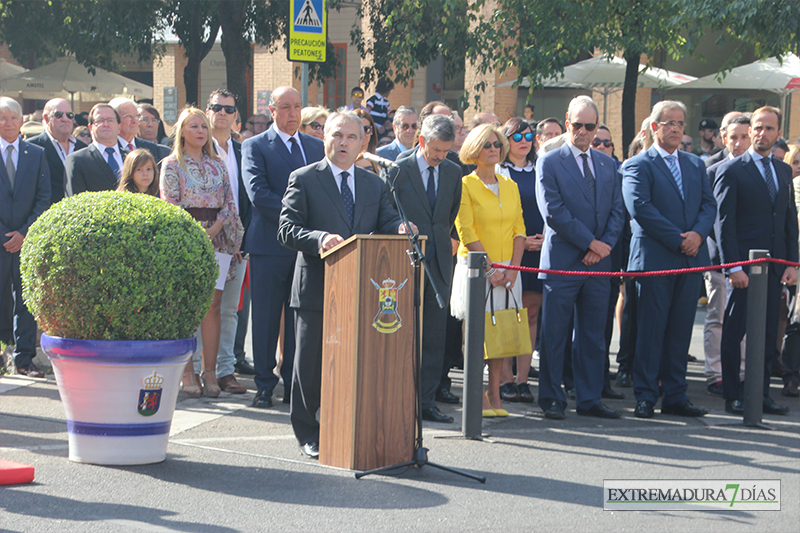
[489, 220]
[312, 121]
[195, 178]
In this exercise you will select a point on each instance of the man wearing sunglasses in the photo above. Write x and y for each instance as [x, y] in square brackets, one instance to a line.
[405, 131]
[129, 129]
[221, 112]
[602, 142]
[672, 207]
[578, 192]
[58, 142]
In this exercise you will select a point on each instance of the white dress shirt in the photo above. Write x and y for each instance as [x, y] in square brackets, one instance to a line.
[229, 157]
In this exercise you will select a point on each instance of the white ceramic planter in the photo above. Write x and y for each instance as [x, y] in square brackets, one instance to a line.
[119, 396]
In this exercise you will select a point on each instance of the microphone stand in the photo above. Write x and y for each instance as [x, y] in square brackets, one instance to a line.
[420, 456]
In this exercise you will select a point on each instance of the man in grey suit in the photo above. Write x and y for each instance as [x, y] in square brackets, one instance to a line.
[98, 167]
[58, 142]
[429, 188]
[578, 192]
[24, 195]
[405, 131]
[324, 204]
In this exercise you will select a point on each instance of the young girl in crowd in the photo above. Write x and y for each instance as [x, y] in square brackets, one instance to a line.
[139, 173]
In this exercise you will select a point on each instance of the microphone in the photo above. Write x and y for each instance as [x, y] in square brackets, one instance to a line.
[380, 161]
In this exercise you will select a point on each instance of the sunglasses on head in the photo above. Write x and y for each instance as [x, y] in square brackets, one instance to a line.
[517, 137]
[604, 142]
[578, 125]
[229, 109]
[496, 144]
[58, 114]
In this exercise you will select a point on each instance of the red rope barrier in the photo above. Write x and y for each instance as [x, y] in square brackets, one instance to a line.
[646, 274]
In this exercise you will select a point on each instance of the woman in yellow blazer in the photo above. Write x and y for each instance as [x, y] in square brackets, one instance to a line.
[489, 220]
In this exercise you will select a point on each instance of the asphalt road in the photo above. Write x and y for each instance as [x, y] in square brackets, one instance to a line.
[233, 468]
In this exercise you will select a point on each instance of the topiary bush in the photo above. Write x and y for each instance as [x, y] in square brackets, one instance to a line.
[117, 266]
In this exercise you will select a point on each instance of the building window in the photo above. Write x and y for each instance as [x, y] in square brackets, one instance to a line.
[336, 88]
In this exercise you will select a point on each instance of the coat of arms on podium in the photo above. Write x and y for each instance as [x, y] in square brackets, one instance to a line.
[388, 319]
[150, 395]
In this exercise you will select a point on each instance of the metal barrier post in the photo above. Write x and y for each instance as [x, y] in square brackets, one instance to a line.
[472, 417]
[756, 332]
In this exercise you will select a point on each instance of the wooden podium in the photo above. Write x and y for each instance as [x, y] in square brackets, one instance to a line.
[367, 402]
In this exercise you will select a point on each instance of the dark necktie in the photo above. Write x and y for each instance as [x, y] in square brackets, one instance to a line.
[589, 177]
[112, 162]
[431, 187]
[672, 163]
[12, 171]
[347, 196]
[297, 154]
[769, 179]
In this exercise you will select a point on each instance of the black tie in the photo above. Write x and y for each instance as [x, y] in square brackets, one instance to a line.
[347, 196]
[769, 179]
[297, 154]
[431, 187]
[112, 162]
[589, 177]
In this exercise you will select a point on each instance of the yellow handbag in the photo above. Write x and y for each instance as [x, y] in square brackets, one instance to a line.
[506, 333]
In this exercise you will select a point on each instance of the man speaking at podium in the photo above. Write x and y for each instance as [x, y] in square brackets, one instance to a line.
[325, 204]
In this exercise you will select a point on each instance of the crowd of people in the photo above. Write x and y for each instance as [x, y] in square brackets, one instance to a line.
[274, 191]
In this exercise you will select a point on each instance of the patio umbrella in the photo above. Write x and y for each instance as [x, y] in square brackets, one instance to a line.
[766, 75]
[607, 76]
[68, 77]
[9, 69]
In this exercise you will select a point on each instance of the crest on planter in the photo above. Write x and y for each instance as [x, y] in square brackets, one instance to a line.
[150, 395]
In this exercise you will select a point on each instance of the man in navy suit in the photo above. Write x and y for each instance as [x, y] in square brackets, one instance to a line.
[672, 208]
[98, 167]
[325, 204]
[756, 211]
[58, 142]
[267, 160]
[24, 195]
[578, 192]
[129, 129]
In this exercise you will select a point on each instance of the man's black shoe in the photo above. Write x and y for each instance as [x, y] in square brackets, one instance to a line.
[433, 414]
[554, 412]
[644, 409]
[624, 380]
[310, 449]
[599, 410]
[30, 370]
[610, 394]
[445, 396]
[263, 398]
[244, 368]
[772, 408]
[683, 409]
[734, 407]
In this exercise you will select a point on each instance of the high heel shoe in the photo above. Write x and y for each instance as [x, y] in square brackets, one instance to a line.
[210, 388]
[497, 412]
[190, 385]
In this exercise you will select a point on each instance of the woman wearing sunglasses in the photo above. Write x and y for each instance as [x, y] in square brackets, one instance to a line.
[489, 220]
[312, 121]
[369, 142]
[520, 167]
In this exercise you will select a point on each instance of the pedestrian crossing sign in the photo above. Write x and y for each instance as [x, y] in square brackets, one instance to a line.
[308, 31]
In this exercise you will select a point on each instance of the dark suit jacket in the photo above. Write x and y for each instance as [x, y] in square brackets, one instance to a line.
[747, 219]
[572, 221]
[88, 170]
[266, 165]
[716, 158]
[55, 164]
[312, 207]
[713, 249]
[159, 152]
[436, 225]
[660, 214]
[19, 208]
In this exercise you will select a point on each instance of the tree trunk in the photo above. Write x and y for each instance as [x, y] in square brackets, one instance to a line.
[629, 126]
[236, 47]
[196, 46]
